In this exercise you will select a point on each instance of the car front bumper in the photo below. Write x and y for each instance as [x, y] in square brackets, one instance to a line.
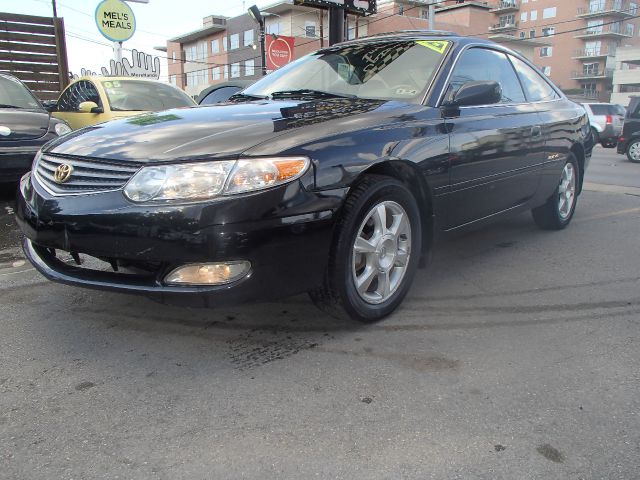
[285, 233]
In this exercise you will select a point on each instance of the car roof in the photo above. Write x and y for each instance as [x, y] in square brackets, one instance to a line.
[420, 35]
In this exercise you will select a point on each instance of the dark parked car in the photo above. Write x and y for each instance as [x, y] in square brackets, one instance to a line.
[24, 127]
[221, 92]
[629, 141]
[332, 175]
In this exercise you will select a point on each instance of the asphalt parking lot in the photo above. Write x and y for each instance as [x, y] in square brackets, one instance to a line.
[515, 356]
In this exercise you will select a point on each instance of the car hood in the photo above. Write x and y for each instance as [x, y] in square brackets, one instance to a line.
[213, 131]
[22, 124]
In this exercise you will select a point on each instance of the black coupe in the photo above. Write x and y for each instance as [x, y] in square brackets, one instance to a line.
[332, 175]
[24, 127]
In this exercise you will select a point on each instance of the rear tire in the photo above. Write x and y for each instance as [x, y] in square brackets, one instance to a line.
[633, 151]
[375, 252]
[558, 210]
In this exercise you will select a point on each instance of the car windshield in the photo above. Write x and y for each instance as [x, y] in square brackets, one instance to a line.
[386, 70]
[140, 95]
[14, 95]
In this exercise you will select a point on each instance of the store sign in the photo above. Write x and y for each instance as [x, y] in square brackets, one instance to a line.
[279, 51]
[361, 7]
[141, 65]
[115, 20]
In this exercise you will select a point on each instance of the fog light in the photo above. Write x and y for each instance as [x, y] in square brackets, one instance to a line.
[208, 273]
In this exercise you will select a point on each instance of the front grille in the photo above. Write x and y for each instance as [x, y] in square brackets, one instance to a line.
[89, 175]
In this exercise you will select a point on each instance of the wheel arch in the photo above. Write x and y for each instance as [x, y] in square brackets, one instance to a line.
[578, 151]
[409, 174]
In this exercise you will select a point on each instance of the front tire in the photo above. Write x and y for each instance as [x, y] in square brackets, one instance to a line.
[633, 151]
[558, 210]
[375, 254]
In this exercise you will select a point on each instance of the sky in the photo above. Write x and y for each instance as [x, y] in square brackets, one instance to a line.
[156, 22]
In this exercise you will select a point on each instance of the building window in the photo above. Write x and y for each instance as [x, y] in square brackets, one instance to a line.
[507, 20]
[199, 77]
[225, 71]
[173, 80]
[590, 68]
[201, 51]
[549, 12]
[630, 29]
[424, 13]
[524, 16]
[548, 31]
[534, 15]
[310, 29]
[224, 43]
[546, 71]
[173, 57]
[594, 26]
[234, 41]
[215, 73]
[235, 70]
[215, 46]
[401, 10]
[633, 8]
[248, 38]
[249, 68]
[274, 28]
[523, 35]
[532, 33]
[546, 51]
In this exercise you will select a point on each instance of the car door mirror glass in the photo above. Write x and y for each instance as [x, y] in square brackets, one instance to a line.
[89, 107]
[50, 105]
[477, 93]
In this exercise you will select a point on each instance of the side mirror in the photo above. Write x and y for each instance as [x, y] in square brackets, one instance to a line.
[50, 105]
[89, 107]
[478, 93]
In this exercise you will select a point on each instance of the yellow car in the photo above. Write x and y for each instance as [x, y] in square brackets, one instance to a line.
[91, 100]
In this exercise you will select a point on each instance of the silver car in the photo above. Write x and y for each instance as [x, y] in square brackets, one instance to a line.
[606, 122]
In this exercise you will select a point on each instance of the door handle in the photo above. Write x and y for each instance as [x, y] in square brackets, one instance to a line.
[536, 131]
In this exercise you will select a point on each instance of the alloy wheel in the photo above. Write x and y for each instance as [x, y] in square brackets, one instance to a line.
[567, 191]
[381, 252]
[634, 151]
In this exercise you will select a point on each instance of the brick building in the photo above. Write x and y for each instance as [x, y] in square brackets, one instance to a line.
[573, 41]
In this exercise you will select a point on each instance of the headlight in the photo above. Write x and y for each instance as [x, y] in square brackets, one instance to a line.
[62, 129]
[205, 180]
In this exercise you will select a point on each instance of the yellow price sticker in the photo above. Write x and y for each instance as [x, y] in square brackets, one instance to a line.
[436, 45]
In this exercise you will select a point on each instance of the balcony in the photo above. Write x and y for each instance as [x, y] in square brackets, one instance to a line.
[606, 31]
[591, 94]
[592, 53]
[609, 8]
[595, 74]
[506, 6]
[504, 27]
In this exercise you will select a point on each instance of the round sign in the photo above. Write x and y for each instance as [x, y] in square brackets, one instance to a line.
[115, 20]
[280, 52]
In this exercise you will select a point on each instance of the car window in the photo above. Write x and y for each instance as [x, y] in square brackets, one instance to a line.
[15, 95]
[140, 95]
[72, 97]
[481, 64]
[536, 87]
[634, 109]
[606, 109]
[219, 95]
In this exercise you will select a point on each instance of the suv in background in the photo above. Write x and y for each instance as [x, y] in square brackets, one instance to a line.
[606, 122]
[629, 141]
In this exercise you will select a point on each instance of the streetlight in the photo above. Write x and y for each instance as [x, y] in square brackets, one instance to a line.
[254, 12]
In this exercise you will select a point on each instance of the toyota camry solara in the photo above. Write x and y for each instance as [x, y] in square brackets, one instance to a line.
[332, 175]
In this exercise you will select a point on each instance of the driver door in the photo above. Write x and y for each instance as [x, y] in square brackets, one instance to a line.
[69, 105]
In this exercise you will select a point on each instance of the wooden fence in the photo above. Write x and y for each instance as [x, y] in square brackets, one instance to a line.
[34, 50]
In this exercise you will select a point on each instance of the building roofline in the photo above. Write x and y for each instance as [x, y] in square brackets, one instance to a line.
[481, 5]
[198, 34]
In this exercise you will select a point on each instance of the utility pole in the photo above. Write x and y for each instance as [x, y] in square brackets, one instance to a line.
[55, 9]
[336, 25]
[432, 14]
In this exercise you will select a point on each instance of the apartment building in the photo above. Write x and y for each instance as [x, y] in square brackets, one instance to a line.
[583, 37]
[626, 77]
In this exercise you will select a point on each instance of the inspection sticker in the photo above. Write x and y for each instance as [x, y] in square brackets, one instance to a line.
[436, 45]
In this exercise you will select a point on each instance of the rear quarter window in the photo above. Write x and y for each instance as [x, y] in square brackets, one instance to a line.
[607, 109]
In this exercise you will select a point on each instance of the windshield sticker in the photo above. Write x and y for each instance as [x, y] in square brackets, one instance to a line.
[436, 45]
